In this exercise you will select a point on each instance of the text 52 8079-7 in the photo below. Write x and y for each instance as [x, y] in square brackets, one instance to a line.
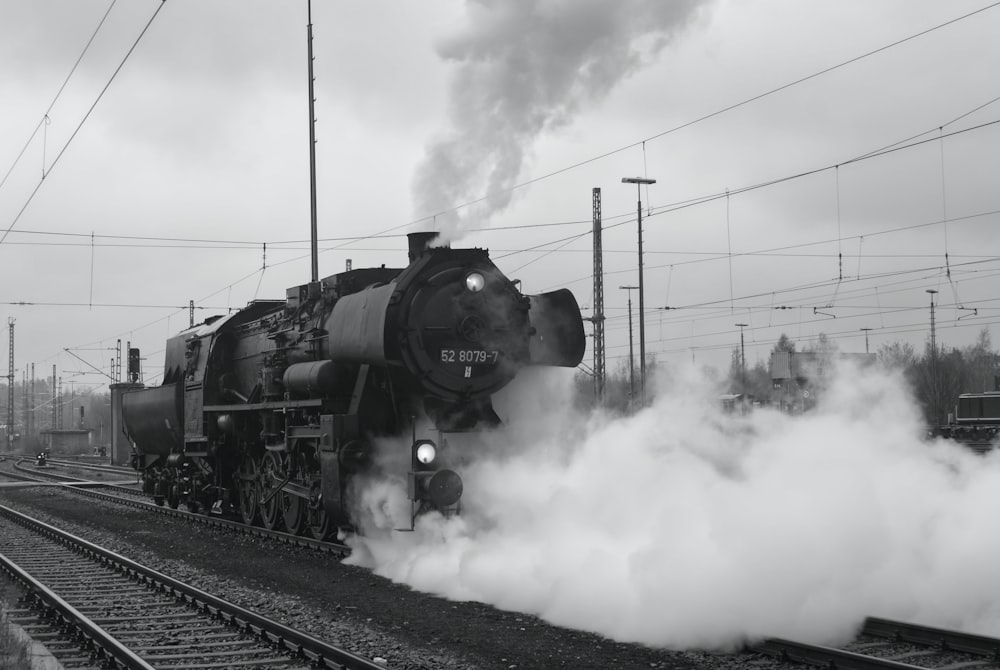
[469, 356]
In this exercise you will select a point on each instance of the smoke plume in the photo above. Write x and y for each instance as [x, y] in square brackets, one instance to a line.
[523, 68]
[681, 527]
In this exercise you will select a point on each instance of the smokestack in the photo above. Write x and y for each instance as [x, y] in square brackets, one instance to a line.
[419, 242]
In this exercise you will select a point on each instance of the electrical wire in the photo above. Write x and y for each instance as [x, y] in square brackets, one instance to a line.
[663, 210]
[706, 117]
[82, 121]
[44, 120]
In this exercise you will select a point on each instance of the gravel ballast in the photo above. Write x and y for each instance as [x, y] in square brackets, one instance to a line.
[345, 605]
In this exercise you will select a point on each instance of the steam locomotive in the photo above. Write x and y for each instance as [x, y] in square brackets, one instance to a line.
[274, 410]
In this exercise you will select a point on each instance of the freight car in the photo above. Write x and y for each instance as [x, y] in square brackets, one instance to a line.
[975, 421]
[272, 411]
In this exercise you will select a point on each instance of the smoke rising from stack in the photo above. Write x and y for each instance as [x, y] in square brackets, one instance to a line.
[683, 527]
[521, 69]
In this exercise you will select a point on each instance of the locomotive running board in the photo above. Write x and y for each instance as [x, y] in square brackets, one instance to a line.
[281, 404]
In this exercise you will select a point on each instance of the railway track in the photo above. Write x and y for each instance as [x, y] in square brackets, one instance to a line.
[93, 608]
[132, 497]
[35, 473]
[108, 469]
[884, 644]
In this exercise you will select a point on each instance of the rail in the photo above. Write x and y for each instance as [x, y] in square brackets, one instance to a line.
[936, 640]
[294, 642]
[78, 487]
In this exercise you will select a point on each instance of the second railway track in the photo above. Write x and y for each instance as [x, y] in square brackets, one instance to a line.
[91, 605]
[884, 644]
[133, 497]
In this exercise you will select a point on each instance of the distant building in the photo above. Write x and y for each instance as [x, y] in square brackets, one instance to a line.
[798, 377]
[736, 403]
[68, 441]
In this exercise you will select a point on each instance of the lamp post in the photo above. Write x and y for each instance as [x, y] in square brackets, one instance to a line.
[743, 359]
[639, 181]
[865, 331]
[631, 355]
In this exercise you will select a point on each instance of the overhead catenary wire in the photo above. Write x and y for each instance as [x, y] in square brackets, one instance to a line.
[714, 256]
[687, 124]
[711, 311]
[539, 247]
[86, 116]
[702, 199]
[696, 201]
[710, 115]
[44, 121]
[903, 286]
[725, 194]
[902, 329]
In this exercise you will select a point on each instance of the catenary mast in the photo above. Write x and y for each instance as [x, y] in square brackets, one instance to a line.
[598, 317]
[314, 237]
[10, 388]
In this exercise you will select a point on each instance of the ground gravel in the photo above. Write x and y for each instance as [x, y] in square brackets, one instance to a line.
[346, 605]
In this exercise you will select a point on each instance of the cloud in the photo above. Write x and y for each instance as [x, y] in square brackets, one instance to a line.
[683, 528]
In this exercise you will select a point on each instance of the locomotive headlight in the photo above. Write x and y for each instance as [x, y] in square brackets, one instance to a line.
[425, 451]
[475, 282]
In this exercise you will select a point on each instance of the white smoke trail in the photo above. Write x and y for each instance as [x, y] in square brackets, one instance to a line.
[524, 68]
[680, 528]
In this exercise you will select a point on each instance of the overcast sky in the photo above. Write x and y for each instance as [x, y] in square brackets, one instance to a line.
[196, 157]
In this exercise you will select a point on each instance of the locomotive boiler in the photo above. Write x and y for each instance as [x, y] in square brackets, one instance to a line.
[273, 410]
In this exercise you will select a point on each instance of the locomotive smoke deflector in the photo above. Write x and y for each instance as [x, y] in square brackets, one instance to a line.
[559, 338]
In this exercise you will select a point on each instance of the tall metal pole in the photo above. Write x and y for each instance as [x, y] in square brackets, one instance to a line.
[631, 351]
[314, 235]
[743, 359]
[10, 388]
[639, 181]
[934, 380]
[865, 331]
[24, 408]
[598, 317]
[55, 402]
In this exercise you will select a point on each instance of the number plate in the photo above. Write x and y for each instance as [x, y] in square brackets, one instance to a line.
[468, 356]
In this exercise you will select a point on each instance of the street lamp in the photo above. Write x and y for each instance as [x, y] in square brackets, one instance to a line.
[631, 355]
[865, 331]
[743, 358]
[639, 181]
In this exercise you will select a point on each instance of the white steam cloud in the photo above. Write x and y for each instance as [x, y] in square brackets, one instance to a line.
[683, 528]
[524, 68]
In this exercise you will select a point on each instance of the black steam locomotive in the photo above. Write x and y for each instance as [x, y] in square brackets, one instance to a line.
[273, 410]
